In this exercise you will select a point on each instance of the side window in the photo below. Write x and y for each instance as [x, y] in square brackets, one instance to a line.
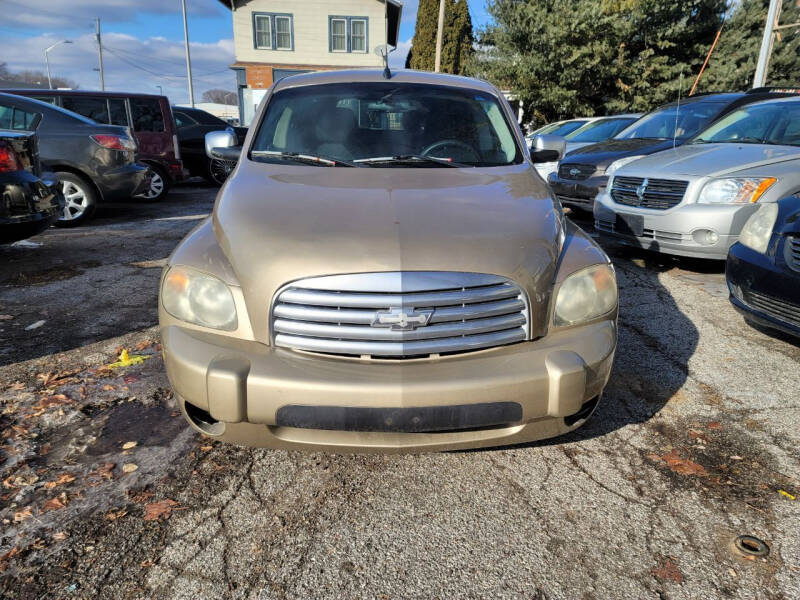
[16, 118]
[48, 99]
[182, 119]
[146, 114]
[117, 112]
[6, 117]
[91, 107]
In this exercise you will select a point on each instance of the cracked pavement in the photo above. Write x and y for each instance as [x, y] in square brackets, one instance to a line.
[691, 446]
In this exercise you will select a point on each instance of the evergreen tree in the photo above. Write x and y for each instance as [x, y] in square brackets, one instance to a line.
[733, 64]
[566, 58]
[457, 37]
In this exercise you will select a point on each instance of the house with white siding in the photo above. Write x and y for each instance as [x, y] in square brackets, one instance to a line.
[277, 38]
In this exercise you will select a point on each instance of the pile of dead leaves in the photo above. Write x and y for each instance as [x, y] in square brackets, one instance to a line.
[682, 466]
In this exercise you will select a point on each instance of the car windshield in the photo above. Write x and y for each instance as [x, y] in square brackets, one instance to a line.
[564, 128]
[771, 123]
[599, 131]
[689, 118]
[386, 124]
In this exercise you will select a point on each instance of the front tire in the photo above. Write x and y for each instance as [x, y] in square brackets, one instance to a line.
[219, 170]
[80, 200]
[159, 186]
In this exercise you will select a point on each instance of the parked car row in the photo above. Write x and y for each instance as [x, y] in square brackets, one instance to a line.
[106, 146]
[693, 179]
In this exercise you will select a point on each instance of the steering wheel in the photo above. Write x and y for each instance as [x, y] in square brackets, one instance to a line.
[471, 152]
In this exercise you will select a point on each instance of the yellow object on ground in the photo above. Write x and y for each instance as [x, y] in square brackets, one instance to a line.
[126, 360]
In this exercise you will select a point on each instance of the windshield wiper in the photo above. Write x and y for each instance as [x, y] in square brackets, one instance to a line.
[304, 158]
[408, 158]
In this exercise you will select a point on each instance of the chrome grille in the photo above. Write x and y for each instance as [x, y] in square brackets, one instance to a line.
[774, 307]
[399, 314]
[578, 172]
[658, 194]
[793, 252]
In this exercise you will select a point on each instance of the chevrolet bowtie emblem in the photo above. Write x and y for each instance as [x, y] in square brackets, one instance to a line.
[402, 319]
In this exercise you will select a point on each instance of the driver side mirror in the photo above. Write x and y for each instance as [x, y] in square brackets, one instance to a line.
[548, 148]
[223, 145]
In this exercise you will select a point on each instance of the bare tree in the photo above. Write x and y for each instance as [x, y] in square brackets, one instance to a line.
[219, 96]
[36, 77]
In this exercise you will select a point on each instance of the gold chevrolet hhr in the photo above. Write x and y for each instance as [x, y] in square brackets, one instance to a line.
[385, 271]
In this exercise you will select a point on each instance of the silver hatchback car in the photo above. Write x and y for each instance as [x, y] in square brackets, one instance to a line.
[694, 200]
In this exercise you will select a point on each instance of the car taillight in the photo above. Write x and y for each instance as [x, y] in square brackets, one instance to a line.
[176, 147]
[114, 142]
[8, 160]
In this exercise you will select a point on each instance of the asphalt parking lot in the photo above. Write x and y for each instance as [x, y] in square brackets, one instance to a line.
[106, 493]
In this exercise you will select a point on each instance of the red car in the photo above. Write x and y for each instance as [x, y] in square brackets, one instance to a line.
[148, 116]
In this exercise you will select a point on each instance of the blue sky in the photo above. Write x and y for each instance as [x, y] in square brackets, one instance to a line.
[144, 40]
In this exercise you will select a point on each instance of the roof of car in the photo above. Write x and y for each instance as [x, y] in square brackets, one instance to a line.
[57, 92]
[376, 76]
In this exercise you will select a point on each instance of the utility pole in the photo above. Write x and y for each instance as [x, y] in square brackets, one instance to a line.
[773, 14]
[100, 54]
[188, 56]
[439, 33]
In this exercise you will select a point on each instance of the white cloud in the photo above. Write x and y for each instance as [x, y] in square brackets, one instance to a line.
[397, 59]
[130, 64]
[54, 14]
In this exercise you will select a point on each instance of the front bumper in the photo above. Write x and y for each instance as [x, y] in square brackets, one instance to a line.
[257, 392]
[576, 193]
[123, 183]
[677, 230]
[764, 289]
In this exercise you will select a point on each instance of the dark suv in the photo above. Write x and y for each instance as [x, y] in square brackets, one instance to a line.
[149, 117]
[94, 162]
[583, 173]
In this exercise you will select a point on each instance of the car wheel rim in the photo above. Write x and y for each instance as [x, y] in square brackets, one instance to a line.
[75, 201]
[156, 186]
[220, 170]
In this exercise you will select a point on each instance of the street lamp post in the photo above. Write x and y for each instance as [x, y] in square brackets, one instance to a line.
[47, 60]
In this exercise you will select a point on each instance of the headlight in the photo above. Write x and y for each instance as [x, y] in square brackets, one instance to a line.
[586, 295]
[198, 298]
[735, 190]
[618, 164]
[758, 228]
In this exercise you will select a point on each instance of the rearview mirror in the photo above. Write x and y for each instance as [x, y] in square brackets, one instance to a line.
[548, 148]
[223, 145]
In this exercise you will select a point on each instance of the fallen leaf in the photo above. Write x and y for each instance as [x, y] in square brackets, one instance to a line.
[734, 457]
[4, 557]
[105, 472]
[206, 448]
[129, 468]
[50, 401]
[714, 425]
[24, 514]
[129, 445]
[156, 511]
[60, 536]
[126, 360]
[682, 466]
[56, 503]
[64, 478]
[142, 345]
[146, 563]
[17, 386]
[108, 388]
[114, 515]
[130, 379]
[667, 570]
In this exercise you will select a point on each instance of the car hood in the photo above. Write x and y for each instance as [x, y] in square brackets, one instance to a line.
[714, 160]
[604, 153]
[280, 223]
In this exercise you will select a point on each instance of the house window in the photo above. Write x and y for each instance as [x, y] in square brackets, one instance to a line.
[263, 29]
[339, 35]
[358, 35]
[273, 31]
[348, 34]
